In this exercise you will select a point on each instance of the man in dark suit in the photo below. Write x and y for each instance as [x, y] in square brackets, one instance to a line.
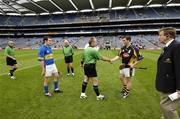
[168, 73]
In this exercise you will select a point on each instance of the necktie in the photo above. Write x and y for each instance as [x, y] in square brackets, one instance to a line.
[163, 50]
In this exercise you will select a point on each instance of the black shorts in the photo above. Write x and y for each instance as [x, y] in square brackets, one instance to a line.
[10, 61]
[68, 59]
[90, 70]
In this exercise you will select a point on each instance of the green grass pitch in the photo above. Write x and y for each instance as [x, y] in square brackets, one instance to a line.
[24, 98]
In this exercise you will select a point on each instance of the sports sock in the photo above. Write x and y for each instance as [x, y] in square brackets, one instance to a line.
[72, 70]
[12, 71]
[124, 88]
[96, 89]
[84, 85]
[46, 89]
[68, 70]
[127, 90]
[55, 84]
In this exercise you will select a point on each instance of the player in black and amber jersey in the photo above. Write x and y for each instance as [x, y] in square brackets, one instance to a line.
[130, 58]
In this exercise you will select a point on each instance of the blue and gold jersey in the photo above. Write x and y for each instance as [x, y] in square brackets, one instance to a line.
[130, 55]
[45, 54]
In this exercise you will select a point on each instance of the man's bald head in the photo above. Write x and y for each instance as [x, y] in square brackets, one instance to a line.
[66, 42]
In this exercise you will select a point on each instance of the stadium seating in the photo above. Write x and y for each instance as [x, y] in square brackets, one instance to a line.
[145, 41]
[125, 14]
[142, 41]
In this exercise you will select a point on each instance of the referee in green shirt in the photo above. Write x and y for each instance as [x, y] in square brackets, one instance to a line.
[68, 57]
[10, 58]
[89, 58]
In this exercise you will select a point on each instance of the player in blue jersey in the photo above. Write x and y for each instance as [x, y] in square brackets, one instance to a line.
[45, 56]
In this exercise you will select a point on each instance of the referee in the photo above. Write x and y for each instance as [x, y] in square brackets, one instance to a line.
[89, 58]
[10, 59]
[68, 57]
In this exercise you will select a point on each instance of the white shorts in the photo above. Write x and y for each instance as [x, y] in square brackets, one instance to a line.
[127, 72]
[50, 70]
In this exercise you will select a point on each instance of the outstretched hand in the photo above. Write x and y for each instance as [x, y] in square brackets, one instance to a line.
[110, 61]
[132, 66]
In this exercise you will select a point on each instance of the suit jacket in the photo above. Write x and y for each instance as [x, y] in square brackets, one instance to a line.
[168, 69]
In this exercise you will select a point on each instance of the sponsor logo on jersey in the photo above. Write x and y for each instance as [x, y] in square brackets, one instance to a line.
[125, 55]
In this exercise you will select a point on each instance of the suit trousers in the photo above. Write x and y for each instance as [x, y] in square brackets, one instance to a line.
[168, 107]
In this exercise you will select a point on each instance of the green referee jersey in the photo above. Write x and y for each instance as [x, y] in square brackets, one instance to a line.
[68, 50]
[90, 55]
[9, 51]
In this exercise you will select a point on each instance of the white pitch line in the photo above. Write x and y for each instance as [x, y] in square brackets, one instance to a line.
[28, 67]
[21, 69]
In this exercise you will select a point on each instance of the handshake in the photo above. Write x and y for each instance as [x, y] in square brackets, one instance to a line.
[121, 66]
[110, 60]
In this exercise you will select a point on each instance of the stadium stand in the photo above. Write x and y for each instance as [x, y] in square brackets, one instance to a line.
[107, 25]
[142, 41]
[126, 14]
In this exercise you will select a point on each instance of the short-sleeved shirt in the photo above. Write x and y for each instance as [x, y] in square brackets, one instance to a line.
[90, 55]
[9, 51]
[68, 51]
[45, 54]
[129, 55]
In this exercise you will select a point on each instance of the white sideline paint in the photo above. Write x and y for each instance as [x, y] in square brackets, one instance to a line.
[21, 69]
[28, 67]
